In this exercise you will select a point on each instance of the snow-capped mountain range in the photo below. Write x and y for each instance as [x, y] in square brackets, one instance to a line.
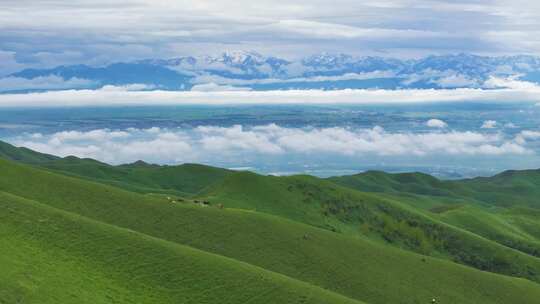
[253, 71]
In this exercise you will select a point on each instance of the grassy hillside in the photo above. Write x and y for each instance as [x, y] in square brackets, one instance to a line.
[182, 180]
[507, 189]
[326, 205]
[504, 227]
[298, 238]
[355, 268]
[501, 208]
[25, 155]
[50, 256]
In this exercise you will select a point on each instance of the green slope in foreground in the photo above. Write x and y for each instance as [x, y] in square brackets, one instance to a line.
[50, 256]
[74, 226]
[487, 203]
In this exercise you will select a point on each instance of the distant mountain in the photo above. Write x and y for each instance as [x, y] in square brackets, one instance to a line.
[342, 63]
[254, 71]
[118, 74]
[238, 65]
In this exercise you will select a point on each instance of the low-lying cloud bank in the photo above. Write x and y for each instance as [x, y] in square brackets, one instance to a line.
[42, 83]
[210, 143]
[113, 96]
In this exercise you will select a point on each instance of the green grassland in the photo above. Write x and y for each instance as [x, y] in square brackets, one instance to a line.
[25, 155]
[183, 180]
[50, 256]
[502, 208]
[80, 231]
[329, 206]
[507, 189]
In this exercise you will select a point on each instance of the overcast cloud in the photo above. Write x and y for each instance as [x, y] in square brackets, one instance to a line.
[44, 33]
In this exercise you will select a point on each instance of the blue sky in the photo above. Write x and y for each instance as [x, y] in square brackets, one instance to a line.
[48, 33]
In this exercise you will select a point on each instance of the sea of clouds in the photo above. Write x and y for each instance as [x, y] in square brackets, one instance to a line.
[502, 90]
[210, 143]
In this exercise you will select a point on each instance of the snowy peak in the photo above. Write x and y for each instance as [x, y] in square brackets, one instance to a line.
[233, 63]
[241, 58]
[252, 70]
[351, 64]
[180, 61]
[246, 60]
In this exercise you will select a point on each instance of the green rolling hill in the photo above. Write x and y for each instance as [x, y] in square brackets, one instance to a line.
[80, 231]
[24, 155]
[52, 256]
[507, 189]
[183, 180]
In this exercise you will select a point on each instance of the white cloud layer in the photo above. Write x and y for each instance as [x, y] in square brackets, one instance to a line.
[489, 124]
[42, 83]
[214, 87]
[205, 79]
[130, 95]
[436, 123]
[207, 143]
